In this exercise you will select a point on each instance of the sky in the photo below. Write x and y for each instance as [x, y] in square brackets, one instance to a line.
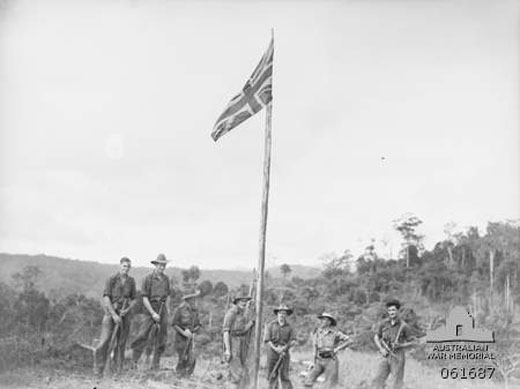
[380, 108]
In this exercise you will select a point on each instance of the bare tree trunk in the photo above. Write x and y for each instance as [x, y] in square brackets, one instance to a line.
[491, 270]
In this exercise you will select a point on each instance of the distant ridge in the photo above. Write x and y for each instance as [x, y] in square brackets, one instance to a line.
[61, 276]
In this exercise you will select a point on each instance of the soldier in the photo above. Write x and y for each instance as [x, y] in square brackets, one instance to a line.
[118, 300]
[279, 336]
[155, 291]
[235, 333]
[327, 342]
[186, 323]
[393, 335]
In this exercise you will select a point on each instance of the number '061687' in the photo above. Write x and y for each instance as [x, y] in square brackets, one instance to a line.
[464, 373]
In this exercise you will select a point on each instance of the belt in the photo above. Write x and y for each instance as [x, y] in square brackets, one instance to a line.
[326, 354]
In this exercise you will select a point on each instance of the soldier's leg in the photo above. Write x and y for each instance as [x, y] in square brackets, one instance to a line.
[397, 370]
[180, 367]
[382, 371]
[161, 340]
[102, 347]
[141, 340]
[284, 373]
[191, 362]
[316, 371]
[331, 373]
[272, 358]
[121, 344]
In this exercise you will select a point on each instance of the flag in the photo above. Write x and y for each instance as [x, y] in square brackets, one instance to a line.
[255, 95]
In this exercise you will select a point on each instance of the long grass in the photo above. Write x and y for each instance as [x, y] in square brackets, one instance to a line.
[356, 372]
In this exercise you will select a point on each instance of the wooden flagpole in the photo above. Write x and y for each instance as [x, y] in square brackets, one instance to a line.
[261, 256]
[263, 230]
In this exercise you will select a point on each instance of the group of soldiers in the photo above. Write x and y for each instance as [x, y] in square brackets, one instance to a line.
[391, 337]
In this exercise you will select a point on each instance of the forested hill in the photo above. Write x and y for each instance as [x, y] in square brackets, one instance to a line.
[60, 276]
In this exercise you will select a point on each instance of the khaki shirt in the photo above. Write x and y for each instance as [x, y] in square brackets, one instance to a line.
[277, 334]
[117, 288]
[156, 287]
[235, 321]
[388, 331]
[327, 339]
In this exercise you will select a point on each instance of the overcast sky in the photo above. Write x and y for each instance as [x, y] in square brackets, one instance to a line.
[380, 108]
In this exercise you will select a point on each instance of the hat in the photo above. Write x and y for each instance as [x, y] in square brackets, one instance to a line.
[161, 258]
[393, 303]
[190, 294]
[326, 315]
[283, 307]
[241, 297]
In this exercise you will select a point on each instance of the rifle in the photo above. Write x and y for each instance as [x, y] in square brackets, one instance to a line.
[277, 365]
[189, 343]
[114, 341]
[156, 330]
[391, 349]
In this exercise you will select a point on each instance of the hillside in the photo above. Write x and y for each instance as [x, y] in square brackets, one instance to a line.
[66, 276]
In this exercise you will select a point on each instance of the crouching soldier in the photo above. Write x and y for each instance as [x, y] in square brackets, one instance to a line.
[118, 300]
[279, 337]
[186, 323]
[327, 342]
[155, 291]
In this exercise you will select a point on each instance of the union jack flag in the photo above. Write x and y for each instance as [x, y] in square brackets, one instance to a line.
[255, 95]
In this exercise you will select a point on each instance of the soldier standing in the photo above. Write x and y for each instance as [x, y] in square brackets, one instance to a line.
[279, 336]
[327, 342]
[235, 333]
[186, 323]
[393, 335]
[155, 291]
[118, 300]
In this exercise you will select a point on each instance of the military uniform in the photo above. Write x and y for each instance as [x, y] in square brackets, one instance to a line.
[185, 317]
[392, 333]
[235, 322]
[156, 287]
[119, 289]
[325, 340]
[279, 335]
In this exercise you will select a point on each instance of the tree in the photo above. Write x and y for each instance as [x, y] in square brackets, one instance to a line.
[336, 266]
[406, 225]
[285, 269]
[27, 278]
[220, 289]
[206, 287]
[191, 275]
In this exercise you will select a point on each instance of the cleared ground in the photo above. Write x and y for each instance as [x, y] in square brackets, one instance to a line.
[356, 372]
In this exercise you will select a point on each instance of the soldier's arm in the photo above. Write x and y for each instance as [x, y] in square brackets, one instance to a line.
[197, 325]
[229, 318]
[132, 299]
[107, 302]
[110, 308]
[343, 341]
[268, 336]
[377, 341]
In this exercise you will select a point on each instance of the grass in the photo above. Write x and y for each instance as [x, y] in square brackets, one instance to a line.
[356, 372]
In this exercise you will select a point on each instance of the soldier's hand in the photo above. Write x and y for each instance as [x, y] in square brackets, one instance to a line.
[156, 317]
[250, 324]
[116, 318]
[188, 334]
[227, 356]
[384, 352]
